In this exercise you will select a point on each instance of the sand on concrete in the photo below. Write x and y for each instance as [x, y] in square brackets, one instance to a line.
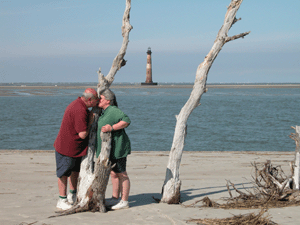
[28, 188]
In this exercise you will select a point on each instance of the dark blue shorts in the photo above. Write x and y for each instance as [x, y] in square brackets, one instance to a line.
[65, 165]
[120, 165]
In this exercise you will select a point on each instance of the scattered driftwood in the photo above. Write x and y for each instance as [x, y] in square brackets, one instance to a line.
[271, 187]
[172, 183]
[246, 219]
[295, 166]
[95, 196]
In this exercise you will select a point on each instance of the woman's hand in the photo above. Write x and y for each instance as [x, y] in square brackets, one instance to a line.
[106, 128]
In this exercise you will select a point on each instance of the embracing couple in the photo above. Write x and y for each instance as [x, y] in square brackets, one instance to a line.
[72, 142]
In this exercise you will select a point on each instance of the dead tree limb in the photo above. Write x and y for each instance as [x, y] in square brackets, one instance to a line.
[236, 36]
[88, 177]
[271, 187]
[94, 199]
[172, 183]
[295, 166]
[119, 61]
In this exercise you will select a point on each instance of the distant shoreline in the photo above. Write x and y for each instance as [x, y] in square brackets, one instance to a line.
[155, 86]
[31, 89]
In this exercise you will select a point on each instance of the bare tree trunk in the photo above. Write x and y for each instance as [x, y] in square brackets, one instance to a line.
[172, 183]
[94, 193]
[295, 170]
[92, 182]
[102, 171]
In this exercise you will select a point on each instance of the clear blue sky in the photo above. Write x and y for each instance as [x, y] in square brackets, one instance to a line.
[67, 41]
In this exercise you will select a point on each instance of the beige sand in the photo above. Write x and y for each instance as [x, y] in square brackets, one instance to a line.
[28, 188]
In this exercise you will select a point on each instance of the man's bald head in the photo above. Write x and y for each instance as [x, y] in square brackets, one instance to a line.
[90, 97]
[90, 93]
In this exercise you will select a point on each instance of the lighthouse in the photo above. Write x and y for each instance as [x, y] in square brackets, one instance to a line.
[149, 69]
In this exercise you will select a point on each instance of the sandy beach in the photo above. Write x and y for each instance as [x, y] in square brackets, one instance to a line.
[28, 188]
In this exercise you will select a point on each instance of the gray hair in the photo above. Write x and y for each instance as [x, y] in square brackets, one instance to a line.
[88, 95]
[109, 95]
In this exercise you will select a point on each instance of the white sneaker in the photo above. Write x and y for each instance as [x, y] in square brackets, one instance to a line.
[111, 201]
[71, 198]
[121, 205]
[63, 204]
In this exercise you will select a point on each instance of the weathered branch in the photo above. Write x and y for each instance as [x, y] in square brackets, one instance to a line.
[242, 35]
[236, 20]
[87, 176]
[119, 61]
[90, 196]
[229, 190]
[296, 164]
[172, 182]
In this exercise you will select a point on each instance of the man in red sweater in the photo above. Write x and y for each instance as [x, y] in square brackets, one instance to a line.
[71, 144]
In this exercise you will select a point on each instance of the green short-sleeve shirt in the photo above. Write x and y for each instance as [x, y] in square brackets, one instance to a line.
[120, 144]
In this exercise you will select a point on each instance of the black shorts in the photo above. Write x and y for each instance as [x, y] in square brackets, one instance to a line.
[65, 165]
[120, 165]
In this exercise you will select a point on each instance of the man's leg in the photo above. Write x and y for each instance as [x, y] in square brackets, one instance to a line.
[73, 179]
[62, 186]
[62, 189]
[62, 172]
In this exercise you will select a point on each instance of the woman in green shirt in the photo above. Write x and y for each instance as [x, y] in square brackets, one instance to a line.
[114, 120]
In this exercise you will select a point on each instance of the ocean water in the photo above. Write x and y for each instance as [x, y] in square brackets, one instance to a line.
[237, 119]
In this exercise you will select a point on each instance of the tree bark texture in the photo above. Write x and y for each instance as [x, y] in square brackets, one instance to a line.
[296, 168]
[172, 183]
[91, 196]
[87, 174]
[119, 61]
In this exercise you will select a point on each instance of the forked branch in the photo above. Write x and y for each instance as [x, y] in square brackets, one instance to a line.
[172, 182]
[119, 61]
[242, 35]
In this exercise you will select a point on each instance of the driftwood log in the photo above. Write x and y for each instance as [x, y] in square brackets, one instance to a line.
[87, 174]
[90, 196]
[271, 187]
[172, 183]
[94, 199]
[296, 164]
[246, 219]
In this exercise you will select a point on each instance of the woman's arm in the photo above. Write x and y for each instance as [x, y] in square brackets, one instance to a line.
[118, 126]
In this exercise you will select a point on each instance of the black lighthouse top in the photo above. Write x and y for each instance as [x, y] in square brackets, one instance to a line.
[149, 51]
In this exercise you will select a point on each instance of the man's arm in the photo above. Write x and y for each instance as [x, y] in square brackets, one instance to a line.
[84, 134]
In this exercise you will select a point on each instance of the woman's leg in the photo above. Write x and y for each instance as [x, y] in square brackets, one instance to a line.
[73, 179]
[115, 184]
[124, 185]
